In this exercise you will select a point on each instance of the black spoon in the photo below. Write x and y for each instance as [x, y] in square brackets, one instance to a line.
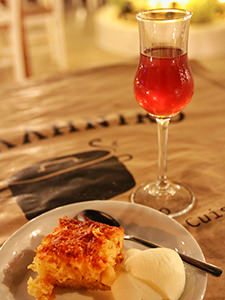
[102, 217]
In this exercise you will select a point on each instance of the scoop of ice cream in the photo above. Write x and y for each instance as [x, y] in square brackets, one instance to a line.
[156, 274]
[131, 252]
[161, 268]
[127, 287]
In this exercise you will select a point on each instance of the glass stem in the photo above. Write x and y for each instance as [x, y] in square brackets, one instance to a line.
[162, 128]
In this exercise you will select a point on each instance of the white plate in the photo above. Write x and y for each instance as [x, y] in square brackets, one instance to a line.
[18, 251]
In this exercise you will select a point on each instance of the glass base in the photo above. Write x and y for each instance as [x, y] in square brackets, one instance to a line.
[173, 199]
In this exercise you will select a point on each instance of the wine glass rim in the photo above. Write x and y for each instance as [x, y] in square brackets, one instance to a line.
[144, 15]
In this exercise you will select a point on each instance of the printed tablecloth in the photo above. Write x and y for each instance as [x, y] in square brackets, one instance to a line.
[82, 136]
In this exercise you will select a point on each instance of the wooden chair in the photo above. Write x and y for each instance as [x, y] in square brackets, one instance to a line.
[17, 16]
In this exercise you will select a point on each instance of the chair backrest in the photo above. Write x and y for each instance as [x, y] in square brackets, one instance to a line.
[16, 14]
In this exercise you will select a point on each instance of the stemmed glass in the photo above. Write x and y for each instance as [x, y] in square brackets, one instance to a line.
[163, 86]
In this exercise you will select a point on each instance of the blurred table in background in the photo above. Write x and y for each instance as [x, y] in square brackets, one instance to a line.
[46, 124]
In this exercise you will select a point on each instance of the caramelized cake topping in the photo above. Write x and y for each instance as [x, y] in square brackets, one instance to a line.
[78, 241]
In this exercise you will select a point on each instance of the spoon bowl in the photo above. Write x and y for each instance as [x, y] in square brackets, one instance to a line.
[97, 216]
[102, 217]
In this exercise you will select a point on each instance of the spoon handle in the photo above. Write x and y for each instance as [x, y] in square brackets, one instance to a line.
[209, 268]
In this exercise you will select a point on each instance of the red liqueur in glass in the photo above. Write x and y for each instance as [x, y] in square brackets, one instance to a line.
[163, 83]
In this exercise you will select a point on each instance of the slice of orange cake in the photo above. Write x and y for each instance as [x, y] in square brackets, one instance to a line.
[76, 254]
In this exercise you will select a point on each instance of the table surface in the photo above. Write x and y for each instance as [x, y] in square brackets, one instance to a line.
[75, 122]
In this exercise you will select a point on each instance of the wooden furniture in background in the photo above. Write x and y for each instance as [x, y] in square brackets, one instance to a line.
[18, 16]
